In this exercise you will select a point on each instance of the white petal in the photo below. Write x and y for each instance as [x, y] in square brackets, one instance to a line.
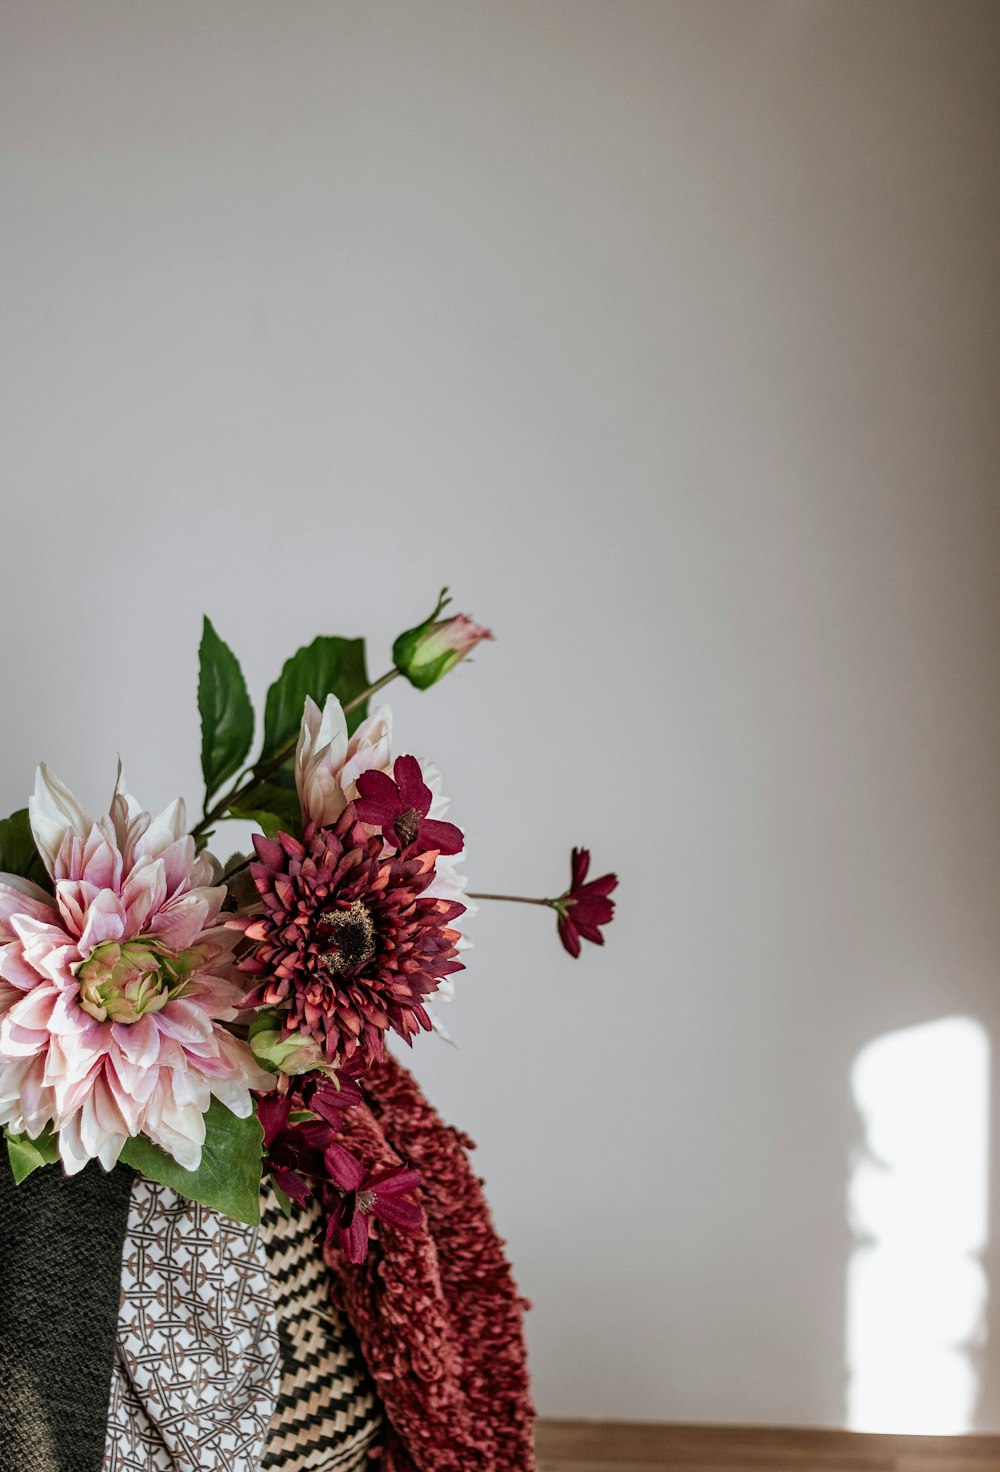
[110, 1150]
[333, 726]
[72, 1150]
[164, 830]
[54, 812]
[236, 1096]
[128, 818]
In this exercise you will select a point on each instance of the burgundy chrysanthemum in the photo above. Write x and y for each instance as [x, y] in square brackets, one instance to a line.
[348, 942]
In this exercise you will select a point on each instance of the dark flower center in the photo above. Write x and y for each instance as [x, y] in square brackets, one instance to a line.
[407, 826]
[351, 937]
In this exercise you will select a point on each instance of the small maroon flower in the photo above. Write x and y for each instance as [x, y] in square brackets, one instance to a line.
[585, 906]
[294, 1150]
[366, 1196]
[400, 809]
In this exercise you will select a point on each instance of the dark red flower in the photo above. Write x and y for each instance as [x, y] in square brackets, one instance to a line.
[585, 906]
[301, 1150]
[294, 1149]
[400, 809]
[366, 1196]
[348, 944]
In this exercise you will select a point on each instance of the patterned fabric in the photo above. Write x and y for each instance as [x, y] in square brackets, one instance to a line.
[196, 1376]
[328, 1414]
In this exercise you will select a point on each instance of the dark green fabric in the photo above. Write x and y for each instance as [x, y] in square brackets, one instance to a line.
[60, 1276]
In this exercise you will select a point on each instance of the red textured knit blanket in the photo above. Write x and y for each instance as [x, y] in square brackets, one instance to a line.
[437, 1314]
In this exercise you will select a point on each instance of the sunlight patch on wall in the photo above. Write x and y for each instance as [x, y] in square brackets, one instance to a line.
[918, 1207]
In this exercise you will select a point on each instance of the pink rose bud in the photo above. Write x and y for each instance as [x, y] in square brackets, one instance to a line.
[429, 651]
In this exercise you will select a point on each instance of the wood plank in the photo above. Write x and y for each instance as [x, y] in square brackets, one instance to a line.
[609, 1446]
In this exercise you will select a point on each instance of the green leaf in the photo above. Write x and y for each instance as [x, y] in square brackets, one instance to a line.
[326, 666]
[285, 1202]
[27, 1155]
[225, 709]
[228, 1178]
[281, 802]
[18, 854]
[269, 823]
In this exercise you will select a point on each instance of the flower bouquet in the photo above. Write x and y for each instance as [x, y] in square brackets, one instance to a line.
[193, 1060]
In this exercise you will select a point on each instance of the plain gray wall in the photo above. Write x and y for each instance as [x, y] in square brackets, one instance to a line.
[665, 332]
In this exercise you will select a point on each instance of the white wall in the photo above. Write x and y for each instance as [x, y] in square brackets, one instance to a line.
[665, 333]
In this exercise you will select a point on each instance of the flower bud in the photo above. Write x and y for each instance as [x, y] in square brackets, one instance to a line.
[294, 1054]
[429, 651]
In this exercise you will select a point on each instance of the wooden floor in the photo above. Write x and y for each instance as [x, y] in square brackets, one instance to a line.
[608, 1446]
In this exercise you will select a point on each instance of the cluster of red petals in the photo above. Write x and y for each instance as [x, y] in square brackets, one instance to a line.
[303, 1154]
[347, 995]
[585, 906]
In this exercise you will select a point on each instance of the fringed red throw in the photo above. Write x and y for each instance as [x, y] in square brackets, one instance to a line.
[437, 1313]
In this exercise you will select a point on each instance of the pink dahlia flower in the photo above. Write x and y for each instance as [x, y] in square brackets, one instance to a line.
[112, 990]
[328, 762]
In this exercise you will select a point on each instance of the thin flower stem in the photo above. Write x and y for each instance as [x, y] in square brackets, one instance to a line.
[379, 684]
[236, 795]
[516, 899]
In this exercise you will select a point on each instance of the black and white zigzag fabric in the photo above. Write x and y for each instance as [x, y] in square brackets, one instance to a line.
[327, 1413]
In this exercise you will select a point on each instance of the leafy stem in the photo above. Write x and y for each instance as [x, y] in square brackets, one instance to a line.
[237, 795]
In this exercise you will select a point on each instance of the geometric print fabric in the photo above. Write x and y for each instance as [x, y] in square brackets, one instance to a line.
[196, 1371]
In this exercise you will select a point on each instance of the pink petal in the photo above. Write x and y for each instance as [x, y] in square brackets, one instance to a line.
[15, 969]
[47, 948]
[21, 1042]
[184, 1020]
[21, 897]
[105, 921]
[37, 1100]
[74, 897]
[34, 1010]
[143, 892]
[138, 1041]
[163, 831]
[178, 861]
[180, 922]
[100, 861]
[67, 1019]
